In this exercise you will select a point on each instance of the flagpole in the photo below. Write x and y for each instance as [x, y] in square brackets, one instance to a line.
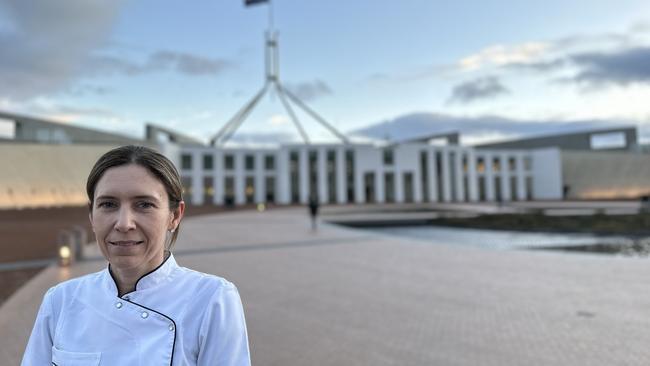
[270, 16]
[272, 77]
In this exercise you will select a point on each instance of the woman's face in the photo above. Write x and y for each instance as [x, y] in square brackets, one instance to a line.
[131, 216]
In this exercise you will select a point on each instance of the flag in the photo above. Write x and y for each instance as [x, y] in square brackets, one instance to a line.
[253, 2]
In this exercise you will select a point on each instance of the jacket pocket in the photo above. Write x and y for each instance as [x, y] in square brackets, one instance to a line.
[65, 358]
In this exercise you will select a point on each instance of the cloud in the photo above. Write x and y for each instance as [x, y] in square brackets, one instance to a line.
[278, 120]
[501, 55]
[183, 63]
[481, 88]
[63, 113]
[619, 68]
[49, 45]
[186, 63]
[47, 42]
[309, 91]
[86, 89]
[475, 128]
[539, 67]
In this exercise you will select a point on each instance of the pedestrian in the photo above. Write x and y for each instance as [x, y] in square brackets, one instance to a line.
[313, 212]
[143, 308]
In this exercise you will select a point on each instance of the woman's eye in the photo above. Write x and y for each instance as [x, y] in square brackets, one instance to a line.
[106, 204]
[145, 205]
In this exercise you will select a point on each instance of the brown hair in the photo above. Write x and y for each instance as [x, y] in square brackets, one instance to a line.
[156, 163]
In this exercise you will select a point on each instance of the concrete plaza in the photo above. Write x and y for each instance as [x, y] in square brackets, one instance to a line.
[349, 297]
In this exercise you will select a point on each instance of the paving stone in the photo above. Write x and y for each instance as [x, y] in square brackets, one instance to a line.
[347, 297]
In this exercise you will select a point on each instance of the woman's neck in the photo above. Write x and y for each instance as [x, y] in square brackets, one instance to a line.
[127, 278]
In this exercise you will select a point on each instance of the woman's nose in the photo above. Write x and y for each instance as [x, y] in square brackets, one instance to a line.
[125, 220]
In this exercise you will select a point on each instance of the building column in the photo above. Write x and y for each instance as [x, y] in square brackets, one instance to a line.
[399, 185]
[240, 182]
[521, 177]
[490, 192]
[459, 174]
[359, 186]
[341, 182]
[321, 164]
[303, 174]
[218, 177]
[417, 183]
[380, 190]
[197, 178]
[472, 179]
[282, 186]
[446, 178]
[260, 182]
[505, 177]
[433, 176]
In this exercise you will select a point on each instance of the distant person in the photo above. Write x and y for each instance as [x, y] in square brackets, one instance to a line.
[143, 309]
[313, 212]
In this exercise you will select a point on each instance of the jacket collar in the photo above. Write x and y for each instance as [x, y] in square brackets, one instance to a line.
[157, 276]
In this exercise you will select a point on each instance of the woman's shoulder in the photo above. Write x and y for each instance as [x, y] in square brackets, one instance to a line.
[67, 289]
[205, 281]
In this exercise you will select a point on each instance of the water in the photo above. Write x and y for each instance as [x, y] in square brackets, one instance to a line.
[504, 240]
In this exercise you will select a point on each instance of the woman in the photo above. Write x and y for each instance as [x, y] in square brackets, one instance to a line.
[143, 309]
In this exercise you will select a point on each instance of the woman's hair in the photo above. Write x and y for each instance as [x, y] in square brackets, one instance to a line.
[157, 164]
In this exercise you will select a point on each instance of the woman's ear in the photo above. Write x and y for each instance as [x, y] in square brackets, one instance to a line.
[90, 215]
[177, 215]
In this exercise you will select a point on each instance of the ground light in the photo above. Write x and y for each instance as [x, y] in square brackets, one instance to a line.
[65, 255]
[261, 207]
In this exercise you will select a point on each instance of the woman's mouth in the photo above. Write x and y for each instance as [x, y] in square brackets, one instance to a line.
[125, 243]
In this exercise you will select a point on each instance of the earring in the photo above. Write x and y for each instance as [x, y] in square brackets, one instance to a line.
[172, 230]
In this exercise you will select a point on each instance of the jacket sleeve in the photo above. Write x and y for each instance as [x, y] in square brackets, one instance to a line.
[223, 339]
[39, 347]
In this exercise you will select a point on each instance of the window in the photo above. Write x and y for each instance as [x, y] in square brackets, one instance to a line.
[187, 189]
[388, 157]
[480, 165]
[608, 140]
[186, 161]
[250, 162]
[496, 165]
[269, 162]
[207, 162]
[229, 192]
[250, 190]
[229, 162]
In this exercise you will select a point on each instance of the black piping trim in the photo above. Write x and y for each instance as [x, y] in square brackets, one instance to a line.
[141, 277]
[170, 319]
[153, 270]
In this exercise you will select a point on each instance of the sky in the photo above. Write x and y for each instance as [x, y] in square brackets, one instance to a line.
[490, 69]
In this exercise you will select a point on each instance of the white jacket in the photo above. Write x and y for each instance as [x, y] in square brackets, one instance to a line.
[176, 316]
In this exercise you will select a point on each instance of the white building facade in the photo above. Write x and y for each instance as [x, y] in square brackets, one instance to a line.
[365, 173]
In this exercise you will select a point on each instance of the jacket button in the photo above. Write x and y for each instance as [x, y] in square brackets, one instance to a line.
[171, 327]
[144, 315]
[118, 305]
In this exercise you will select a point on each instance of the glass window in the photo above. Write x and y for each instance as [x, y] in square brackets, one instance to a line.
[250, 162]
[229, 162]
[207, 162]
[388, 157]
[186, 161]
[269, 162]
[496, 164]
[480, 165]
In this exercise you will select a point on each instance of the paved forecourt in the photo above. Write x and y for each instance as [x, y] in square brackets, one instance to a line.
[349, 297]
